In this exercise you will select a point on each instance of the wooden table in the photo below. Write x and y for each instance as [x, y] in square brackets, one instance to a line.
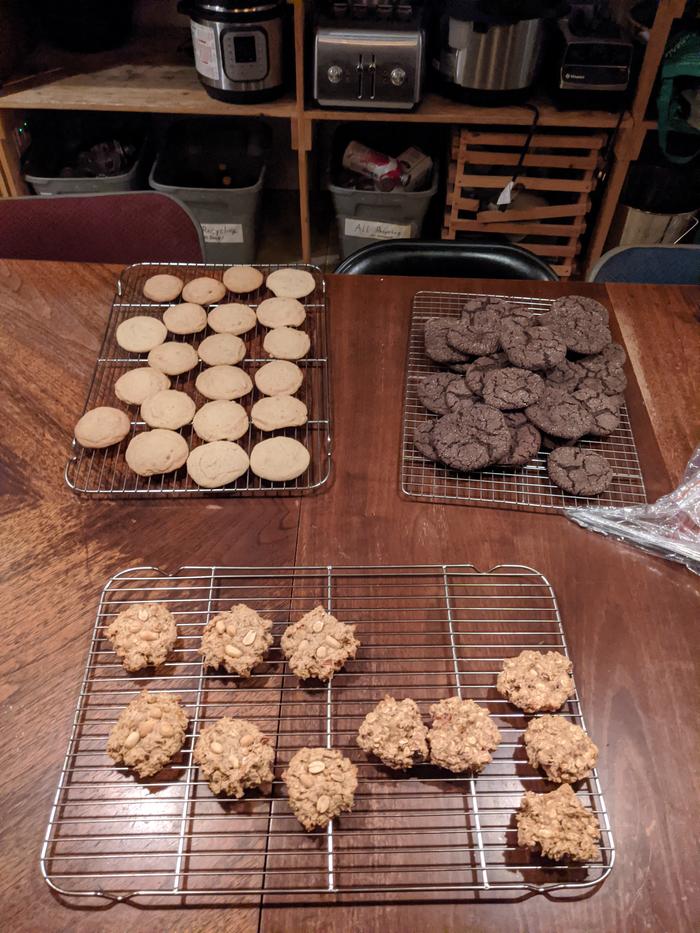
[630, 618]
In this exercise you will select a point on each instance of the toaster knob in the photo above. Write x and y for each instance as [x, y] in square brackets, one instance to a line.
[397, 76]
[334, 74]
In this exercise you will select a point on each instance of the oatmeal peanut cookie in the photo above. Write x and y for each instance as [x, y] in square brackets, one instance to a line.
[321, 784]
[233, 755]
[536, 681]
[462, 735]
[142, 635]
[318, 645]
[394, 732]
[558, 825]
[562, 749]
[148, 733]
[236, 640]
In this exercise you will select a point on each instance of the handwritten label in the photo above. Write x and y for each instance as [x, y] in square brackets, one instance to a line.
[223, 233]
[378, 229]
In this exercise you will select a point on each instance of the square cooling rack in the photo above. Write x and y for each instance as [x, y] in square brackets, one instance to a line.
[426, 632]
[105, 472]
[527, 487]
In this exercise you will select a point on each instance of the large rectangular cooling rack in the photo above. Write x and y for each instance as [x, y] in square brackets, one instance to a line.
[427, 632]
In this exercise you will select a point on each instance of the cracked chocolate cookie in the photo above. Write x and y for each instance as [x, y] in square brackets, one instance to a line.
[511, 388]
[142, 635]
[582, 327]
[436, 345]
[318, 645]
[532, 346]
[149, 733]
[575, 303]
[560, 748]
[234, 755]
[462, 735]
[422, 434]
[607, 366]
[394, 732]
[458, 394]
[566, 375]
[321, 784]
[536, 681]
[476, 371]
[578, 471]
[525, 440]
[431, 391]
[557, 412]
[236, 640]
[478, 330]
[472, 438]
[558, 825]
[603, 405]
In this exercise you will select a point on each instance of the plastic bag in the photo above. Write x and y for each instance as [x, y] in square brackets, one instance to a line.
[669, 528]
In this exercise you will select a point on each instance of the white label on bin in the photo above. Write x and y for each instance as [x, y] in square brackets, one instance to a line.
[204, 44]
[223, 233]
[377, 229]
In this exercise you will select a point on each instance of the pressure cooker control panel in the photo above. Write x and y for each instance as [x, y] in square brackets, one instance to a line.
[244, 54]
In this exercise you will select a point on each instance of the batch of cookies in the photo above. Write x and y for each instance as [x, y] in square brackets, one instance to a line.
[234, 755]
[515, 382]
[194, 309]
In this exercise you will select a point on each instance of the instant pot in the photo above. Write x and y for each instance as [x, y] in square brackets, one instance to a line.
[238, 48]
[488, 50]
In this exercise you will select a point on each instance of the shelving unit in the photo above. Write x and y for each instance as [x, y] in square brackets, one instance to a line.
[154, 75]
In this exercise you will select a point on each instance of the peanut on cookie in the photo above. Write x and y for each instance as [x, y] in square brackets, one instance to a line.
[142, 635]
[148, 733]
[318, 645]
[321, 783]
[236, 640]
[234, 755]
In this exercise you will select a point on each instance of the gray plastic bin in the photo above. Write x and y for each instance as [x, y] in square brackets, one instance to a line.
[365, 217]
[101, 184]
[229, 217]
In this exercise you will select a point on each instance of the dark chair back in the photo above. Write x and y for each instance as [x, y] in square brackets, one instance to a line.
[652, 265]
[122, 228]
[447, 259]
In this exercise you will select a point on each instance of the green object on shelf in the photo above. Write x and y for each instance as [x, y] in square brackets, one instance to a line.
[681, 64]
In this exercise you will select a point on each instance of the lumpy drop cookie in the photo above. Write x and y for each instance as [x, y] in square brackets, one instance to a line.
[321, 784]
[558, 826]
[395, 733]
[236, 640]
[578, 471]
[318, 645]
[149, 732]
[234, 756]
[462, 735]
[536, 681]
[142, 635]
[560, 748]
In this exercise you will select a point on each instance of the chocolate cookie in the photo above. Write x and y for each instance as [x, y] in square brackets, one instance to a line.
[525, 440]
[558, 412]
[458, 394]
[511, 388]
[474, 375]
[607, 366]
[422, 440]
[603, 406]
[532, 346]
[558, 825]
[472, 438]
[575, 303]
[582, 328]
[477, 332]
[566, 375]
[578, 471]
[431, 390]
[436, 346]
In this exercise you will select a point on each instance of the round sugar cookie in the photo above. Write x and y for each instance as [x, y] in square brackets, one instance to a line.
[168, 409]
[291, 283]
[185, 318]
[158, 451]
[232, 318]
[216, 464]
[279, 459]
[173, 358]
[220, 420]
[204, 290]
[163, 287]
[279, 377]
[221, 349]
[286, 343]
[101, 427]
[281, 312]
[278, 411]
[242, 279]
[223, 382]
[136, 385]
[140, 334]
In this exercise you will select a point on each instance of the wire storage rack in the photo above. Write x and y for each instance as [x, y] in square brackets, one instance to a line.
[105, 473]
[426, 632]
[528, 487]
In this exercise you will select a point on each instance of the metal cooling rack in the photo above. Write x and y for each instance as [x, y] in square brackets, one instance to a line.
[527, 487]
[426, 632]
[105, 472]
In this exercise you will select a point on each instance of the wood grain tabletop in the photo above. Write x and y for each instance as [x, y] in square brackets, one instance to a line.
[630, 618]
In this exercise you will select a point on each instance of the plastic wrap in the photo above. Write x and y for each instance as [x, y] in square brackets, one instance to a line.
[669, 528]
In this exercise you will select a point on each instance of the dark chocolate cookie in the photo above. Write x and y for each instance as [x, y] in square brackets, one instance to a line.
[472, 438]
[557, 412]
[422, 440]
[603, 406]
[566, 375]
[607, 366]
[581, 472]
[477, 332]
[431, 391]
[511, 388]
[580, 302]
[532, 346]
[582, 328]
[524, 440]
[476, 371]
[436, 346]
[458, 394]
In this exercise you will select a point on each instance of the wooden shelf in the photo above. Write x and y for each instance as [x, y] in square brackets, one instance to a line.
[151, 75]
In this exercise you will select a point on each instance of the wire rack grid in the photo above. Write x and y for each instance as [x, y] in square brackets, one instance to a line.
[105, 472]
[426, 632]
[528, 487]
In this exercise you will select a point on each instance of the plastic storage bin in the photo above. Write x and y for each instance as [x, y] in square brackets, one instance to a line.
[101, 184]
[367, 216]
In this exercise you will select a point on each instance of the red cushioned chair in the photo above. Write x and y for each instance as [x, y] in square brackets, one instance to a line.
[134, 226]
